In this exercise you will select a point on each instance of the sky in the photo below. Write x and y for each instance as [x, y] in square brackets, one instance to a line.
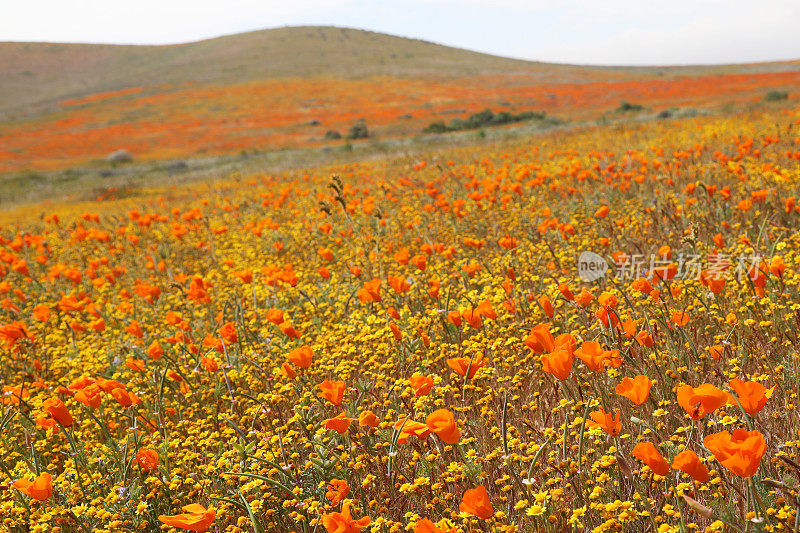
[610, 32]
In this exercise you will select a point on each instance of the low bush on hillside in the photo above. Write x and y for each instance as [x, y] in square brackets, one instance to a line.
[776, 96]
[483, 119]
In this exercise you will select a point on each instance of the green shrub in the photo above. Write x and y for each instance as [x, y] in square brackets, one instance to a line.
[481, 120]
[625, 107]
[332, 135]
[358, 130]
[776, 96]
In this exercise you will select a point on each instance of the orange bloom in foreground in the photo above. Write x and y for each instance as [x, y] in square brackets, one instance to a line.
[698, 402]
[421, 385]
[39, 489]
[740, 451]
[608, 421]
[343, 522]
[302, 357]
[688, 462]
[461, 364]
[147, 459]
[196, 518]
[368, 418]
[444, 425]
[558, 363]
[339, 423]
[647, 453]
[476, 502]
[56, 408]
[751, 395]
[338, 489]
[333, 391]
[408, 427]
[636, 390]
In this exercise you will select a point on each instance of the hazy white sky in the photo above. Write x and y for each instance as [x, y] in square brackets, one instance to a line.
[630, 32]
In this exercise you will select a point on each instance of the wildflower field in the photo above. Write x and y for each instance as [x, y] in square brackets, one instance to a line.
[413, 344]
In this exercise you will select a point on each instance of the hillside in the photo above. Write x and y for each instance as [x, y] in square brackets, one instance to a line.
[40, 73]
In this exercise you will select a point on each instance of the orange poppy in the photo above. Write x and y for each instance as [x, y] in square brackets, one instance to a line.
[681, 318]
[424, 525]
[302, 356]
[558, 363]
[463, 364]
[368, 418]
[649, 455]
[343, 522]
[338, 489]
[147, 459]
[408, 427]
[370, 292]
[636, 390]
[716, 351]
[339, 423]
[752, 395]
[596, 357]
[476, 502]
[333, 391]
[608, 421]
[421, 385]
[56, 408]
[740, 451]
[444, 425]
[688, 462]
[40, 488]
[196, 518]
[698, 402]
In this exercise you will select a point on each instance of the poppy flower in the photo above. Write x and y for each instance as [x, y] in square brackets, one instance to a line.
[740, 451]
[333, 391]
[275, 316]
[455, 318]
[302, 357]
[56, 408]
[558, 363]
[338, 489]
[421, 385]
[90, 396]
[196, 518]
[370, 292]
[339, 423]
[636, 390]
[399, 284]
[408, 427]
[444, 425]
[752, 395]
[689, 463]
[461, 364]
[595, 356]
[147, 459]
[645, 339]
[647, 453]
[476, 502]
[343, 522]
[716, 351]
[546, 305]
[698, 402]
[680, 318]
[40, 488]
[368, 418]
[609, 422]
[540, 339]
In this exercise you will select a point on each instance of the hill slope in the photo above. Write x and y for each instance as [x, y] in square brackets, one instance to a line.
[40, 73]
